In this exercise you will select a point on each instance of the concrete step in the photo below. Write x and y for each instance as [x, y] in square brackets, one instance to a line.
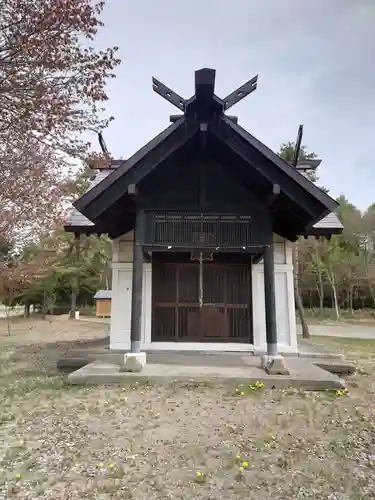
[302, 375]
[339, 367]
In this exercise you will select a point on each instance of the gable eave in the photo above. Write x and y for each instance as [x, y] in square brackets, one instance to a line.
[282, 165]
[328, 225]
[89, 198]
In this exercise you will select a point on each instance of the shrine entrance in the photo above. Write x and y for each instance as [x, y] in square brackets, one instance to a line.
[201, 297]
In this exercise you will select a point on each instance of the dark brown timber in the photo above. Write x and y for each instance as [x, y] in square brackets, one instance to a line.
[270, 301]
[137, 284]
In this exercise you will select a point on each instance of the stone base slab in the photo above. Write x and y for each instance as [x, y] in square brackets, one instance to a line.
[75, 359]
[303, 375]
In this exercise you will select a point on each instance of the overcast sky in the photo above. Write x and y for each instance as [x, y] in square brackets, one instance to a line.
[316, 66]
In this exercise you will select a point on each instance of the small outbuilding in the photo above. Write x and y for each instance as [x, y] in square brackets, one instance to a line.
[103, 303]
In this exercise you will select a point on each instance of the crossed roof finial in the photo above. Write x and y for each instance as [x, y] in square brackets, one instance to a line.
[204, 92]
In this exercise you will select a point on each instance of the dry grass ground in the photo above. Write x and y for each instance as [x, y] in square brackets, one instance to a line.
[196, 441]
[361, 317]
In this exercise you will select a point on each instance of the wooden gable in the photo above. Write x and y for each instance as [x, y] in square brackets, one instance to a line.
[205, 146]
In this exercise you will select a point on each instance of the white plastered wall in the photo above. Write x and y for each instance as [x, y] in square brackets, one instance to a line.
[121, 303]
[122, 269]
[285, 308]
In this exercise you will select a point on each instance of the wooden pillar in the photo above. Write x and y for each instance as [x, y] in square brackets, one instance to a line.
[137, 284]
[270, 300]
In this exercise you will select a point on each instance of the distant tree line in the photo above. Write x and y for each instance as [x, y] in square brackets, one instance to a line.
[340, 273]
[52, 277]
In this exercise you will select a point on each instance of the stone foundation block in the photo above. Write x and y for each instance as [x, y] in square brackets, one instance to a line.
[275, 365]
[133, 362]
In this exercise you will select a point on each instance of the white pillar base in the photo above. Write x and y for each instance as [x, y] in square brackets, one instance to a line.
[133, 362]
[275, 365]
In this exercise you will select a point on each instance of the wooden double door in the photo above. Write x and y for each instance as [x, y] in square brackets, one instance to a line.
[201, 302]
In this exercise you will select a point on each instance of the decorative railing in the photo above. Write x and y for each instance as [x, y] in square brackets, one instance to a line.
[198, 230]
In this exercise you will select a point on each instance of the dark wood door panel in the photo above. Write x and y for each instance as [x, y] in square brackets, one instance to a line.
[179, 315]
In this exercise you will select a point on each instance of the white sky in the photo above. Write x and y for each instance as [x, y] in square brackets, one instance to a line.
[315, 60]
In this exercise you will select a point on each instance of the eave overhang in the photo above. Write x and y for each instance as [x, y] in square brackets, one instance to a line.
[307, 203]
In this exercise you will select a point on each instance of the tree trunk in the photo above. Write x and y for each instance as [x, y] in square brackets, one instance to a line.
[367, 276]
[75, 282]
[335, 303]
[9, 325]
[371, 291]
[321, 293]
[319, 274]
[73, 299]
[350, 300]
[334, 292]
[26, 310]
[44, 305]
[297, 295]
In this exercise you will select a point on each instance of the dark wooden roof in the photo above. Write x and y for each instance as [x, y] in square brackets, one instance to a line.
[298, 209]
[78, 223]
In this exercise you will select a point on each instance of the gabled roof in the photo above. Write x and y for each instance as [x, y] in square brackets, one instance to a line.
[330, 224]
[281, 164]
[308, 164]
[136, 167]
[103, 295]
[301, 200]
[77, 222]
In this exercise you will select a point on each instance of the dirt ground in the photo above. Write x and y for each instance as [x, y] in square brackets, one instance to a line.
[177, 442]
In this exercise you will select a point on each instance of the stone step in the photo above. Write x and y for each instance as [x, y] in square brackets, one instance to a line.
[302, 375]
[341, 368]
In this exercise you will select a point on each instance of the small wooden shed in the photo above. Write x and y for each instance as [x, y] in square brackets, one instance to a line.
[103, 303]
